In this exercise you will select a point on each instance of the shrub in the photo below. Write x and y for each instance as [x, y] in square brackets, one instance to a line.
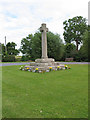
[8, 58]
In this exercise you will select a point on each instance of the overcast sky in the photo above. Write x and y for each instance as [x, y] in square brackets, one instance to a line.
[18, 18]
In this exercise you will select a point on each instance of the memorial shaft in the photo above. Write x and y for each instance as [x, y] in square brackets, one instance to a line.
[44, 31]
[44, 45]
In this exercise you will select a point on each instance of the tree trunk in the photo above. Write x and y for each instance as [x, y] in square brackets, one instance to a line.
[77, 45]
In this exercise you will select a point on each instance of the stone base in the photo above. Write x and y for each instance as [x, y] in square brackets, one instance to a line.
[47, 60]
[41, 64]
[44, 64]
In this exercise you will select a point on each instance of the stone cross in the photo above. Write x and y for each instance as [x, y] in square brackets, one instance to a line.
[44, 31]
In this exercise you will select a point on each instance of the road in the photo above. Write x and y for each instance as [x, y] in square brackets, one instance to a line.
[10, 64]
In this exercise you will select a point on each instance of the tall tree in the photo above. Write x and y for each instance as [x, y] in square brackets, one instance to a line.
[11, 48]
[36, 46]
[33, 47]
[55, 46]
[74, 29]
[26, 45]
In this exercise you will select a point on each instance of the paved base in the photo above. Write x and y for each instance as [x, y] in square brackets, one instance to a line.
[42, 65]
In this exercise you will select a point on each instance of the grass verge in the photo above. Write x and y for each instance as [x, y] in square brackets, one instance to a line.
[57, 94]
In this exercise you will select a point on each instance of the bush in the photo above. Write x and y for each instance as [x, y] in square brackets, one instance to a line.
[8, 58]
[80, 57]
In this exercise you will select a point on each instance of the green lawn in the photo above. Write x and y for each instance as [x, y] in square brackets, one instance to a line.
[57, 94]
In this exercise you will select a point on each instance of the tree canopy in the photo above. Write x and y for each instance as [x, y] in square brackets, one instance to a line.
[11, 48]
[74, 29]
[31, 46]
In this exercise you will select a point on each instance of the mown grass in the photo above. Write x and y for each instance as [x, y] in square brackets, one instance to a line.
[57, 94]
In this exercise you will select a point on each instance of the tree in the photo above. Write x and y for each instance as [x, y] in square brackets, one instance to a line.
[36, 46]
[74, 29]
[9, 56]
[26, 45]
[84, 48]
[54, 46]
[11, 49]
[33, 47]
[70, 49]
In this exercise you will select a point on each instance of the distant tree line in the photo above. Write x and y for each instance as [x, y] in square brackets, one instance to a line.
[75, 46]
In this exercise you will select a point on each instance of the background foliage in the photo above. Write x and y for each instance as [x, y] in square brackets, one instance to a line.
[76, 35]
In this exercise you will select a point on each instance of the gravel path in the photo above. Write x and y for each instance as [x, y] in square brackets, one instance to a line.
[10, 64]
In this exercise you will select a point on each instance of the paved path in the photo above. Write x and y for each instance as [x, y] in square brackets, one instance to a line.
[9, 64]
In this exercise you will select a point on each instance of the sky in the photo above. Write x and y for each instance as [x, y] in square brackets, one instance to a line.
[18, 18]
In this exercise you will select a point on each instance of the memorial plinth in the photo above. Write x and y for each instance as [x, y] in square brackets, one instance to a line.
[44, 63]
